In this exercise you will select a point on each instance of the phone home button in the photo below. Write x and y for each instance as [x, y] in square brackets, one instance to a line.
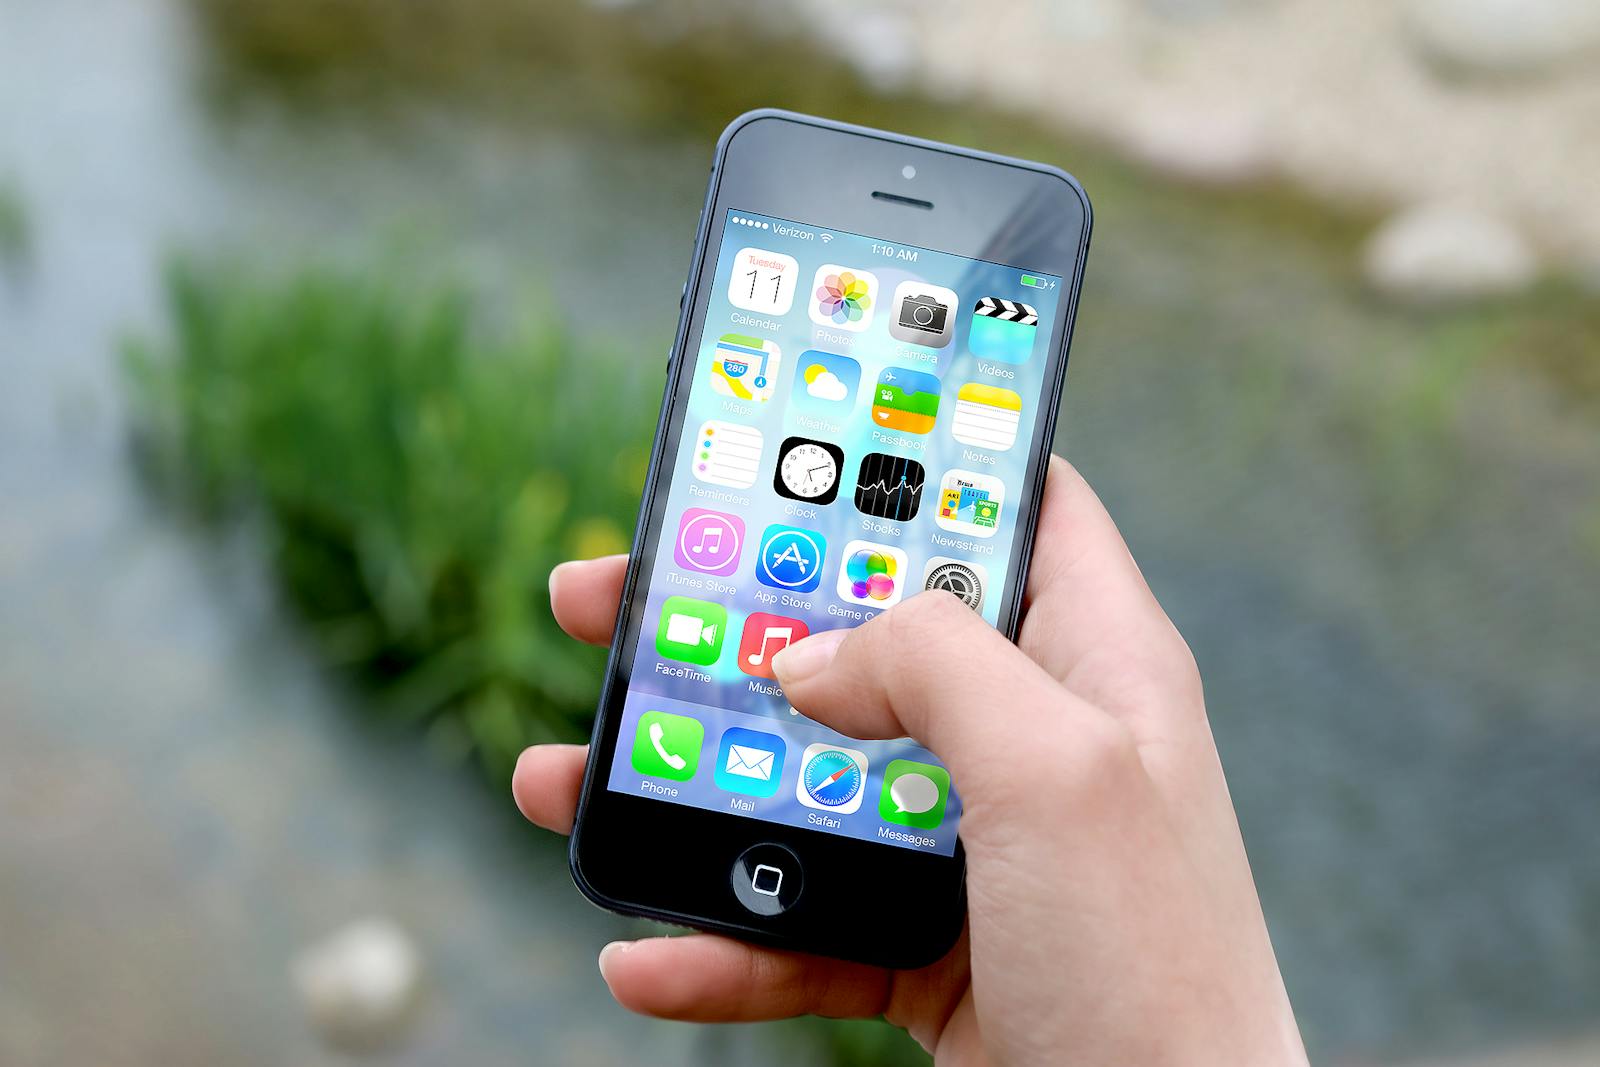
[767, 879]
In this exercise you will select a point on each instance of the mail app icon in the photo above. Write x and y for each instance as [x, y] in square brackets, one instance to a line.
[750, 762]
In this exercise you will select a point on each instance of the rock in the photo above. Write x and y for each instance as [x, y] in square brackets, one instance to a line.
[360, 985]
[1502, 36]
[1211, 143]
[1439, 252]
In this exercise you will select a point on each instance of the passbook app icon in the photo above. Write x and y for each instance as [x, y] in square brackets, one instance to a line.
[749, 762]
[906, 400]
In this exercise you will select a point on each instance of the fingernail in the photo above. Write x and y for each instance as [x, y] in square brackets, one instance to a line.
[806, 658]
[611, 952]
[555, 573]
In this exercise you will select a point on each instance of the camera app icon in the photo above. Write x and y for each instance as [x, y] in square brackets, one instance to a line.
[923, 314]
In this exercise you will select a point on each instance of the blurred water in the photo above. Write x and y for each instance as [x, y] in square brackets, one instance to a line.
[1396, 611]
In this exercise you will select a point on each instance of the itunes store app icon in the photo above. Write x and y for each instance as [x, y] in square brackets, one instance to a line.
[709, 541]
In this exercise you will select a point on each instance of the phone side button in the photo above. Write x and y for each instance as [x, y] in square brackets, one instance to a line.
[767, 879]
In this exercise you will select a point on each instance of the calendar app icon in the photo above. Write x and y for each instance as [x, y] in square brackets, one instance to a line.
[763, 281]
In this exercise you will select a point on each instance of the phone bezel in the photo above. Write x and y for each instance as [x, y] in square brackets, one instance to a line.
[676, 862]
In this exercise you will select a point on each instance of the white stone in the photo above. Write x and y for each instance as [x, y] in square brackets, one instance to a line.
[1439, 252]
[1503, 36]
[360, 985]
[1211, 142]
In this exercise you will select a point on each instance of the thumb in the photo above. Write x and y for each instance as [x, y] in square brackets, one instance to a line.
[930, 669]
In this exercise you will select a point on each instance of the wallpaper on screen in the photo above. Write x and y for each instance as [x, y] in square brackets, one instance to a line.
[857, 426]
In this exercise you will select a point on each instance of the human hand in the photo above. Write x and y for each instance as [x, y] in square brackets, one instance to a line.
[1112, 917]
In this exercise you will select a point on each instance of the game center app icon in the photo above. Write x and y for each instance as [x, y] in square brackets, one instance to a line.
[923, 314]
[824, 384]
[872, 575]
[906, 400]
[843, 297]
[790, 558]
[832, 778]
[709, 541]
[765, 636]
[745, 368]
[969, 503]
[1003, 329]
[763, 281]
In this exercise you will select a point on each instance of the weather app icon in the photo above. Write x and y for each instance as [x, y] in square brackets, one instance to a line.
[825, 384]
[791, 558]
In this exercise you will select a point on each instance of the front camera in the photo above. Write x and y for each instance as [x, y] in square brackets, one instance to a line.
[908, 171]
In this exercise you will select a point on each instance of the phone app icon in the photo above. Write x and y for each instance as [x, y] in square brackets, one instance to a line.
[764, 636]
[709, 541]
[808, 470]
[1003, 329]
[872, 575]
[965, 579]
[791, 558]
[832, 778]
[749, 762]
[824, 384]
[667, 746]
[745, 368]
[889, 487]
[905, 400]
[969, 503]
[727, 454]
[923, 314]
[986, 416]
[914, 794]
[763, 281]
[843, 297]
[691, 631]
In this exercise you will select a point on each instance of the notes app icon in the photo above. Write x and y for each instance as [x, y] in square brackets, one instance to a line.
[709, 541]
[986, 416]
[765, 636]
[906, 400]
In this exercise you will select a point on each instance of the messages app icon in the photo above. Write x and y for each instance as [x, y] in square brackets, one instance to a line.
[749, 762]
[914, 794]
[906, 400]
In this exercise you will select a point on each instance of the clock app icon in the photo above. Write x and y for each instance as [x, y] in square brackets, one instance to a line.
[808, 470]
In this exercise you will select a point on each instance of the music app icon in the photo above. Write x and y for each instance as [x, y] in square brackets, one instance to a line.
[764, 637]
[709, 541]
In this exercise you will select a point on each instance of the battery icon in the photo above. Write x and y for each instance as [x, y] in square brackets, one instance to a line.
[1036, 283]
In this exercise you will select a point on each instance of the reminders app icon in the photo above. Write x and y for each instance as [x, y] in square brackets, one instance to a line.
[750, 762]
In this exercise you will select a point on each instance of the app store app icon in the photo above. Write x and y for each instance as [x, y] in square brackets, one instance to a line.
[790, 558]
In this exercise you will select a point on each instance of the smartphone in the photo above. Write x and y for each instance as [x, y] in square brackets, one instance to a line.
[859, 406]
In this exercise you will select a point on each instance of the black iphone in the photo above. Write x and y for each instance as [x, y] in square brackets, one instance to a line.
[859, 407]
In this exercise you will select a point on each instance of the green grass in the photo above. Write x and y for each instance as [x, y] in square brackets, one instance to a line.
[16, 235]
[418, 477]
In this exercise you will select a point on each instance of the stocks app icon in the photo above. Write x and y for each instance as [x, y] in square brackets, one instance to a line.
[889, 487]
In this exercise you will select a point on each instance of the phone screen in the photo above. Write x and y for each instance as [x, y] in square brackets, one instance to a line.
[858, 428]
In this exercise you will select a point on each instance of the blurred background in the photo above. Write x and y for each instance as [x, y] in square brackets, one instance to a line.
[328, 326]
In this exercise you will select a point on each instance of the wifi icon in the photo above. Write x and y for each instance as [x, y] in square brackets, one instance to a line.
[826, 237]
